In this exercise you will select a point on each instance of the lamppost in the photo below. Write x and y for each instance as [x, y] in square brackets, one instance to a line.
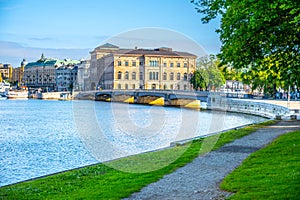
[43, 75]
[289, 91]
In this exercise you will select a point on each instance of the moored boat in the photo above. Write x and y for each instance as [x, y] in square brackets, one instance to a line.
[2, 96]
[17, 94]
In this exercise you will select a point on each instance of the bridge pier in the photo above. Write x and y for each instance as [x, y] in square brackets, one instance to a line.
[184, 99]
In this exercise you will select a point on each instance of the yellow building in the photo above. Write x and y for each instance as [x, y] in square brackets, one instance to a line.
[160, 68]
[17, 73]
[6, 71]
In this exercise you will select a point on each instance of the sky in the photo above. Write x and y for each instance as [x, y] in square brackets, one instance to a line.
[72, 28]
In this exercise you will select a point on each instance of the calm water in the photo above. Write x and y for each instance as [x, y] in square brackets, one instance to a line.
[40, 137]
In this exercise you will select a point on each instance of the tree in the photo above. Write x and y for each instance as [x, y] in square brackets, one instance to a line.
[199, 79]
[261, 35]
[207, 76]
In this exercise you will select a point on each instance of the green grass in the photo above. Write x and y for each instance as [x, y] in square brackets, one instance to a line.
[120, 178]
[270, 173]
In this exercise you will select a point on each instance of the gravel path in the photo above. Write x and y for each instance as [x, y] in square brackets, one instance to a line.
[200, 179]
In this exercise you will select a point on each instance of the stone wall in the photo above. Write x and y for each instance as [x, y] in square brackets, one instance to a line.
[216, 102]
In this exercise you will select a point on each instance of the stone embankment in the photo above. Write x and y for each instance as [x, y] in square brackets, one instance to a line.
[247, 106]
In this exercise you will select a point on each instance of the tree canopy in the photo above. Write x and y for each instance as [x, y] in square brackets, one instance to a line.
[258, 36]
[207, 76]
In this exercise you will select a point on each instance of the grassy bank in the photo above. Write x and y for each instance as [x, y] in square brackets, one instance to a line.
[103, 181]
[270, 173]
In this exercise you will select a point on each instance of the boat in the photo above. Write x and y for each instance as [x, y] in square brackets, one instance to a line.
[4, 87]
[3, 96]
[65, 96]
[17, 94]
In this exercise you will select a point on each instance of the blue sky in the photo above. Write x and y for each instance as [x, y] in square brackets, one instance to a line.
[72, 28]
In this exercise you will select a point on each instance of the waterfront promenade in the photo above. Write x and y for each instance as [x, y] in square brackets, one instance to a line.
[200, 179]
[292, 105]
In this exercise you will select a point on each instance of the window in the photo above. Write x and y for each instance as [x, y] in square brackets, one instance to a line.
[153, 63]
[185, 77]
[178, 64]
[119, 86]
[178, 76]
[171, 86]
[133, 63]
[185, 87]
[171, 76]
[153, 86]
[165, 76]
[178, 87]
[153, 75]
[119, 75]
[133, 86]
[126, 86]
[126, 75]
[185, 65]
[141, 76]
[171, 64]
[133, 75]
[119, 63]
[165, 64]
[126, 63]
[141, 63]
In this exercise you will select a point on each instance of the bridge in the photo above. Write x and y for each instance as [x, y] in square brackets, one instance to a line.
[196, 100]
[189, 99]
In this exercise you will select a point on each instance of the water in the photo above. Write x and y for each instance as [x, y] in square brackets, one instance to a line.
[40, 137]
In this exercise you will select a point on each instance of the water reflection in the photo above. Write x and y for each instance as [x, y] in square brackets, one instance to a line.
[41, 137]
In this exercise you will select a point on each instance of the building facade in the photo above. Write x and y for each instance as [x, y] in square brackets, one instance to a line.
[42, 73]
[129, 69]
[17, 73]
[83, 75]
[66, 77]
[6, 71]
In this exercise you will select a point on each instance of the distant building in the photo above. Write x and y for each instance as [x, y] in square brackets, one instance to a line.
[17, 73]
[6, 71]
[161, 68]
[83, 75]
[66, 77]
[42, 73]
[236, 86]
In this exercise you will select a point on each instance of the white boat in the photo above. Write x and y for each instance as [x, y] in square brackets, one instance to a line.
[65, 96]
[3, 96]
[4, 87]
[17, 94]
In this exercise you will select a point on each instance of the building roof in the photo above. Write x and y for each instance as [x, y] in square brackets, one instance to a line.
[51, 62]
[162, 51]
[154, 52]
[107, 46]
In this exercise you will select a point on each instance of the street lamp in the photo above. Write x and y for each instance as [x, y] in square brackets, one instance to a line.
[288, 103]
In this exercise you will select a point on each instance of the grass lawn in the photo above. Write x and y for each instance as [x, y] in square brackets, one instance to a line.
[270, 173]
[103, 181]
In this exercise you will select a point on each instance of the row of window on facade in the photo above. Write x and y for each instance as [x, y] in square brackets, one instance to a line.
[49, 80]
[153, 76]
[67, 74]
[153, 86]
[153, 63]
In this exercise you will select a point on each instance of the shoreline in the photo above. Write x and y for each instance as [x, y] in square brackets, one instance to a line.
[172, 145]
